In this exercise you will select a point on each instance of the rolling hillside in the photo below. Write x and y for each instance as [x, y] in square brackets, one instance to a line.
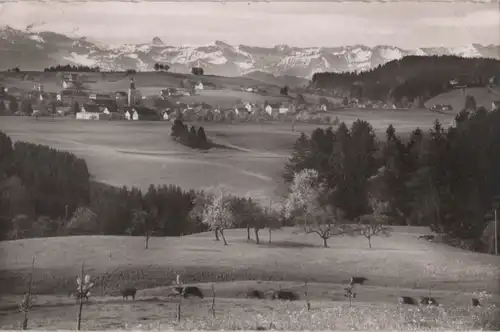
[111, 82]
[401, 260]
[456, 98]
[410, 78]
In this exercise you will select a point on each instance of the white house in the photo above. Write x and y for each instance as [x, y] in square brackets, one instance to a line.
[67, 84]
[91, 112]
[198, 86]
[268, 109]
[495, 105]
[167, 115]
[141, 113]
[248, 106]
[284, 109]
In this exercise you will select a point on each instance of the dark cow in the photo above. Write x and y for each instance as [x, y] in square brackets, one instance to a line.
[80, 295]
[406, 300]
[475, 302]
[357, 280]
[427, 300]
[128, 291]
[285, 295]
[254, 294]
[188, 291]
[427, 237]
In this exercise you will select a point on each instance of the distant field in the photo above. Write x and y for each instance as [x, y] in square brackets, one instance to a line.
[456, 98]
[230, 98]
[140, 153]
[111, 82]
[399, 265]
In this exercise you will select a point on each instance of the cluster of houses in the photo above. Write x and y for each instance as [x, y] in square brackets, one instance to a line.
[131, 105]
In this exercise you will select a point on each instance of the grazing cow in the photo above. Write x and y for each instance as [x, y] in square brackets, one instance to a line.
[254, 294]
[285, 295]
[427, 300]
[189, 290]
[79, 295]
[406, 300]
[475, 302]
[128, 291]
[426, 237]
[358, 280]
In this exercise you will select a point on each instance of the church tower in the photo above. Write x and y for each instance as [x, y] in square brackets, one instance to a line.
[131, 93]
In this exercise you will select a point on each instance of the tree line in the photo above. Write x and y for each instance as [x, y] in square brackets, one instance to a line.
[45, 192]
[446, 179]
[74, 68]
[196, 139]
[411, 78]
[161, 67]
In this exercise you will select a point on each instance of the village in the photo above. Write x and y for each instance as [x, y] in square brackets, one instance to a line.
[76, 100]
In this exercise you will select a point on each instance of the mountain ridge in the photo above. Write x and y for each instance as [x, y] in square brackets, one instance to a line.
[38, 50]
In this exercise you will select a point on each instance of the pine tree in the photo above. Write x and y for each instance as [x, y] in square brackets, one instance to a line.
[202, 138]
[300, 158]
[13, 106]
[470, 103]
[193, 138]
[391, 133]
[75, 108]
[3, 109]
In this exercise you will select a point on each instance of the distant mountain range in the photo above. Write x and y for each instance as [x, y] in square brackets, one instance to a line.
[35, 51]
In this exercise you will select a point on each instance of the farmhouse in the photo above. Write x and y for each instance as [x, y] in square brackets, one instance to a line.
[198, 86]
[495, 106]
[268, 109]
[91, 112]
[141, 113]
[249, 108]
[167, 114]
[68, 96]
[240, 111]
[285, 109]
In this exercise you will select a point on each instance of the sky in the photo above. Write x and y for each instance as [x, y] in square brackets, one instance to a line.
[403, 24]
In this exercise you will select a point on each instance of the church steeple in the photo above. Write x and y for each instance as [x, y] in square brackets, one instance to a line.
[131, 93]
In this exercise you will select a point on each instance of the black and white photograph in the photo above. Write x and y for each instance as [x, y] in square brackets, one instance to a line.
[249, 165]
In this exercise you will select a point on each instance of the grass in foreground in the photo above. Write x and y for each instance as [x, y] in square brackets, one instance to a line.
[251, 314]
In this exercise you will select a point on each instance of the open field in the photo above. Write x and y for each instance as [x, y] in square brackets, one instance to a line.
[229, 98]
[112, 82]
[456, 98]
[399, 265]
[140, 153]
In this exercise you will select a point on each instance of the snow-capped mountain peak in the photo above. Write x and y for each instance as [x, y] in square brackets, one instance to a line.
[219, 58]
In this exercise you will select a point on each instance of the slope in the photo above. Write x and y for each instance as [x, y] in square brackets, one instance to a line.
[401, 260]
[484, 97]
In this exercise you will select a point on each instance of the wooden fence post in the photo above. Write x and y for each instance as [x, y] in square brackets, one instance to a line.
[27, 299]
[80, 295]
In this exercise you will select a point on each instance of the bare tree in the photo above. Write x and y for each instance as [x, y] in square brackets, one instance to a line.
[326, 222]
[255, 217]
[374, 224]
[305, 204]
[217, 213]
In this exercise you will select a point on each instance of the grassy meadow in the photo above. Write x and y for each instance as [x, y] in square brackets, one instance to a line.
[140, 153]
[456, 98]
[250, 163]
[147, 82]
[399, 265]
